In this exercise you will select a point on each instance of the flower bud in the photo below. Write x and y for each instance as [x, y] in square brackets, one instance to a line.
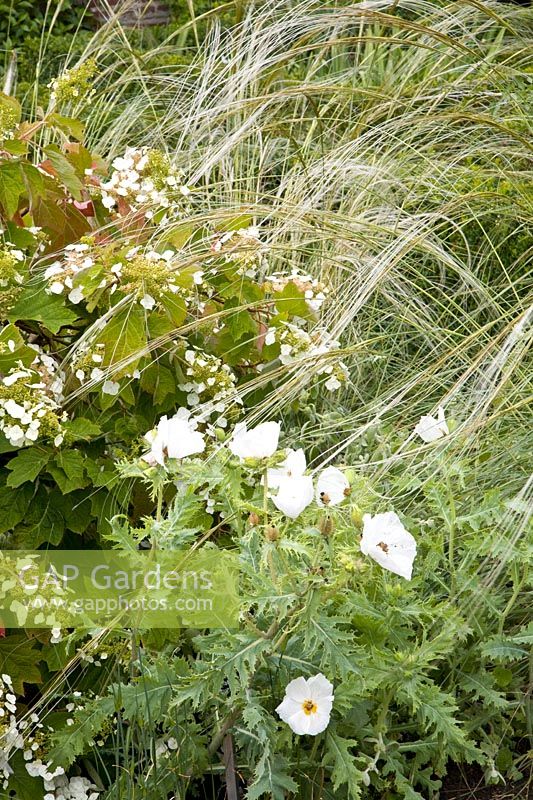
[326, 526]
[272, 533]
[253, 519]
[351, 474]
[356, 515]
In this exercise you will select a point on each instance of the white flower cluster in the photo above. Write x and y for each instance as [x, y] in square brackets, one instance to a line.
[164, 747]
[37, 769]
[9, 256]
[27, 735]
[295, 344]
[16, 735]
[10, 735]
[242, 247]
[87, 365]
[61, 274]
[384, 537]
[52, 377]
[141, 177]
[315, 292]
[63, 788]
[26, 409]
[74, 84]
[211, 386]
[148, 275]
[11, 278]
[87, 360]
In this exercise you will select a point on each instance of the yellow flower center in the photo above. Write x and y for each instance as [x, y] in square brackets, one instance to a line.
[309, 707]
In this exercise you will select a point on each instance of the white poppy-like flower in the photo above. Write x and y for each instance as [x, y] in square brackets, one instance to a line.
[386, 541]
[176, 437]
[294, 466]
[430, 429]
[294, 495]
[332, 487]
[306, 707]
[295, 490]
[260, 442]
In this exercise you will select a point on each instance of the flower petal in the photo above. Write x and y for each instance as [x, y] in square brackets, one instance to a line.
[297, 689]
[294, 495]
[331, 487]
[320, 687]
[260, 442]
[388, 543]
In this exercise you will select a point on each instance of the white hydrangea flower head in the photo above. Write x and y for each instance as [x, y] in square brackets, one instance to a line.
[142, 177]
[306, 707]
[29, 408]
[62, 274]
[315, 292]
[242, 247]
[387, 542]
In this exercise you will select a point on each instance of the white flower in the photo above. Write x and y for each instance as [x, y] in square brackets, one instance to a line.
[293, 467]
[294, 495]
[147, 302]
[108, 201]
[295, 490]
[53, 269]
[9, 380]
[76, 295]
[110, 387]
[387, 541]
[56, 635]
[174, 438]
[332, 487]
[430, 429]
[307, 704]
[14, 409]
[333, 383]
[260, 442]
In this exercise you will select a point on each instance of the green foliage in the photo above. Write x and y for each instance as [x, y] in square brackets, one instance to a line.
[26, 18]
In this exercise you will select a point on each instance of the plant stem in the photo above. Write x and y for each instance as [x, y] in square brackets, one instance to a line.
[159, 504]
[517, 585]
